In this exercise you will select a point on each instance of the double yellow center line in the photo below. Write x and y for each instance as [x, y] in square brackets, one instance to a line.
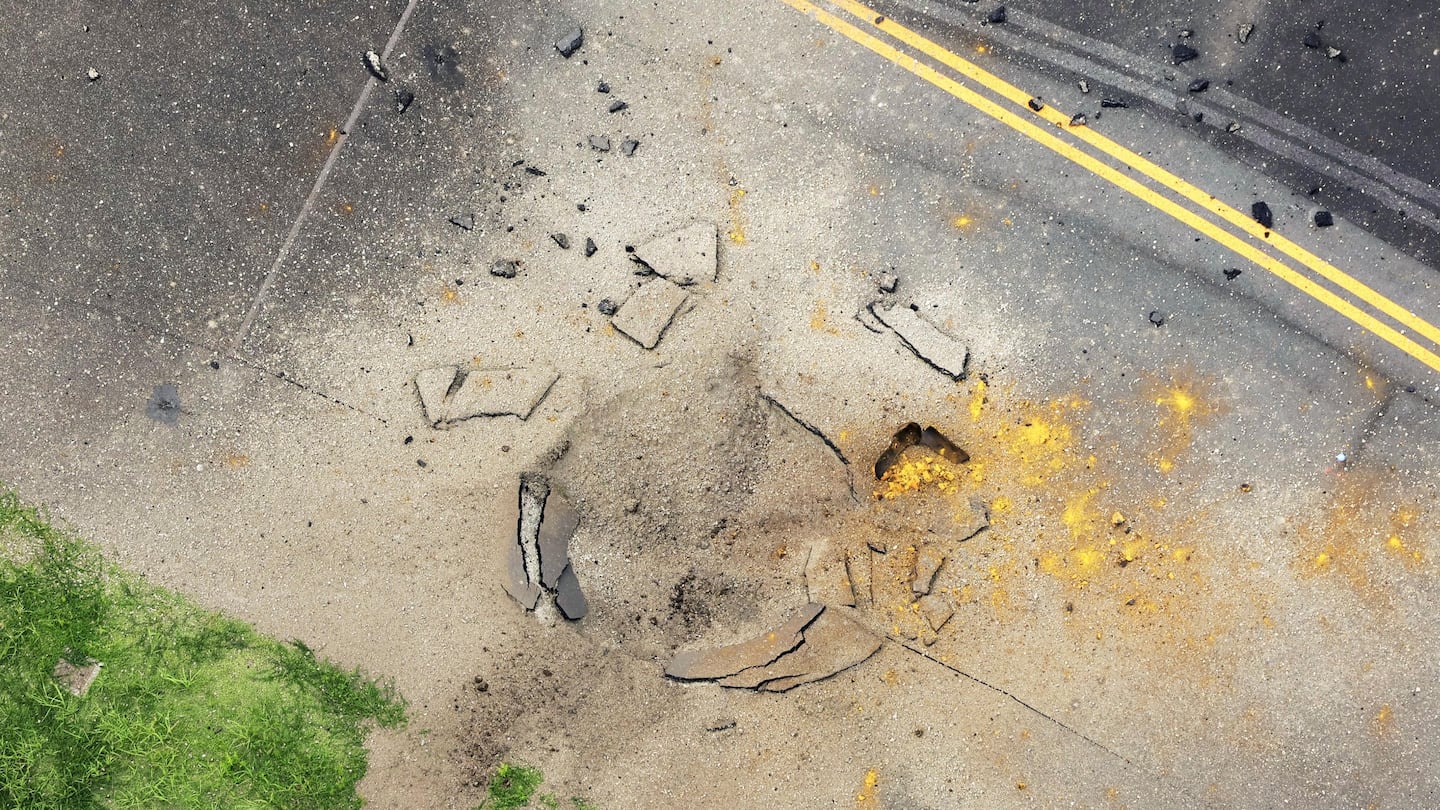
[1022, 120]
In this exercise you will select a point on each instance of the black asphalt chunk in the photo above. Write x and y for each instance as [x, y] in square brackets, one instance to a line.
[600, 143]
[504, 268]
[1199, 116]
[1312, 40]
[571, 42]
[376, 66]
[535, 170]
[568, 596]
[1199, 86]
[590, 247]
[1232, 273]
[164, 404]
[1156, 317]
[1260, 210]
[1114, 102]
[627, 148]
[1183, 53]
[1324, 219]
[617, 106]
[602, 87]
[403, 100]
[607, 307]
[1036, 104]
[465, 222]
[1078, 120]
[562, 240]
[997, 16]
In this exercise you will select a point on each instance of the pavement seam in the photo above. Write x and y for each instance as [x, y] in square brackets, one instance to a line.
[295, 227]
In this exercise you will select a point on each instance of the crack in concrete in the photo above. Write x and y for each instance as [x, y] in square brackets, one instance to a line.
[820, 434]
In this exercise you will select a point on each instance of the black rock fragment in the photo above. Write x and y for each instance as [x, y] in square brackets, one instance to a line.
[465, 222]
[602, 87]
[1312, 40]
[1199, 86]
[617, 106]
[1261, 212]
[403, 100]
[600, 143]
[1035, 104]
[590, 247]
[628, 147]
[607, 307]
[1182, 53]
[1324, 219]
[568, 44]
[562, 240]
[505, 268]
[997, 16]
[376, 66]
[1114, 102]
[1156, 317]
[1232, 273]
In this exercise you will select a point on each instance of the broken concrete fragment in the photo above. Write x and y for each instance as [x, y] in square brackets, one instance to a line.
[76, 677]
[858, 569]
[826, 581]
[1244, 32]
[1199, 86]
[1078, 120]
[557, 526]
[568, 44]
[563, 240]
[925, 340]
[517, 581]
[1114, 102]
[600, 143]
[376, 66]
[617, 106]
[685, 256]
[1324, 219]
[887, 282]
[504, 269]
[92, 75]
[628, 147]
[970, 523]
[465, 222]
[451, 394]
[833, 643]
[607, 307]
[756, 652]
[568, 597]
[590, 247]
[403, 100]
[648, 312]
[937, 610]
[928, 560]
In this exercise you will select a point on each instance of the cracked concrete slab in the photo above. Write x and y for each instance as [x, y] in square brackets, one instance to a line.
[833, 643]
[648, 312]
[946, 353]
[452, 394]
[685, 256]
[709, 664]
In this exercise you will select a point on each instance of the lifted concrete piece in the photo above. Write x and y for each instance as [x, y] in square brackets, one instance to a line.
[833, 643]
[927, 562]
[685, 256]
[756, 652]
[937, 610]
[452, 394]
[858, 570]
[557, 526]
[517, 582]
[925, 339]
[568, 596]
[648, 312]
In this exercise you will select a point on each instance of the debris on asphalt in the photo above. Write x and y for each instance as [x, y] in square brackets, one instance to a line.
[925, 340]
[1324, 219]
[452, 394]
[602, 87]
[91, 74]
[1186, 33]
[164, 404]
[722, 724]
[518, 582]
[685, 256]
[911, 435]
[1199, 86]
[887, 282]
[376, 66]
[504, 268]
[563, 240]
[1232, 127]
[1182, 53]
[568, 596]
[1035, 104]
[1232, 273]
[813, 645]
[617, 106]
[1244, 32]
[1312, 40]
[1334, 53]
[403, 100]
[814, 431]
[1084, 86]
[600, 143]
[1114, 102]
[628, 147]
[568, 44]
[647, 313]
[928, 560]
[1079, 120]
[590, 247]
[465, 222]
[607, 307]
[1156, 317]
[997, 16]
[557, 526]
[1260, 210]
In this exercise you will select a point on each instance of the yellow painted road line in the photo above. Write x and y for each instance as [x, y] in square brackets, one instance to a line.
[1026, 127]
[1196, 195]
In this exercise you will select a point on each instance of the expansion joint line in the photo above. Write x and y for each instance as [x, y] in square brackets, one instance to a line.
[1222, 223]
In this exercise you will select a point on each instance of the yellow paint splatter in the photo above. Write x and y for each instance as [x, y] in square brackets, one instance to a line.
[1384, 722]
[869, 797]
[737, 216]
[977, 400]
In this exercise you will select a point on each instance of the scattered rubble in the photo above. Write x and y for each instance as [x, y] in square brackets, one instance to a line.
[590, 247]
[647, 313]
[826, 580]
[376, 66]
[1335, 53]
[600, 143]
[815, 644]
[568, 44]
[1232, 273]
[504, 268]
[860, 571]
[1156, 317]
[1078, 120]
[887, 282]
[1199, 86]
[1035, 104]
[164, 404]
[403, 100]
[563, 240]
[452, 394]
[1084, 86]
[1260, 210]
[1323, 219]
[685, 256]
[1114, 102]
[928, 560]
[1312, 40]
[607, 307]
[92, 75]
[539, 559]
[628, 147]
[937, 610]
[997, 16]
[602, 87]
[925, 340]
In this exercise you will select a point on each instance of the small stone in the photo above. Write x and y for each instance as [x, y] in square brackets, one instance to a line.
[1199, 86]
[465, 222]
[1198, 116]
[997, 16]
[1186, 33]
[91, 74]
[1244, 32]
[1312, 40]
[1232, 273]
[1035, 104]
[600, 143]
[887, 282]
[403, 100]
[590, 247]
[1324, 219]
[607, 307]
[1232, 127]
[568, 44]
[602, 87]
[1079, 120]
[562, 240]
[617, 106]
[535, 170]
[1156, 317]
[1260, 210]
[628, 147]
[376, 66]
[1183, 53]
[1084, 86]
[505, 268]
[1114, 102]
[1335, 53]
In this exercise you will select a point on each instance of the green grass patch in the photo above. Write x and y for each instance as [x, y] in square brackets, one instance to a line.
[191, 709]
[514, 787]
